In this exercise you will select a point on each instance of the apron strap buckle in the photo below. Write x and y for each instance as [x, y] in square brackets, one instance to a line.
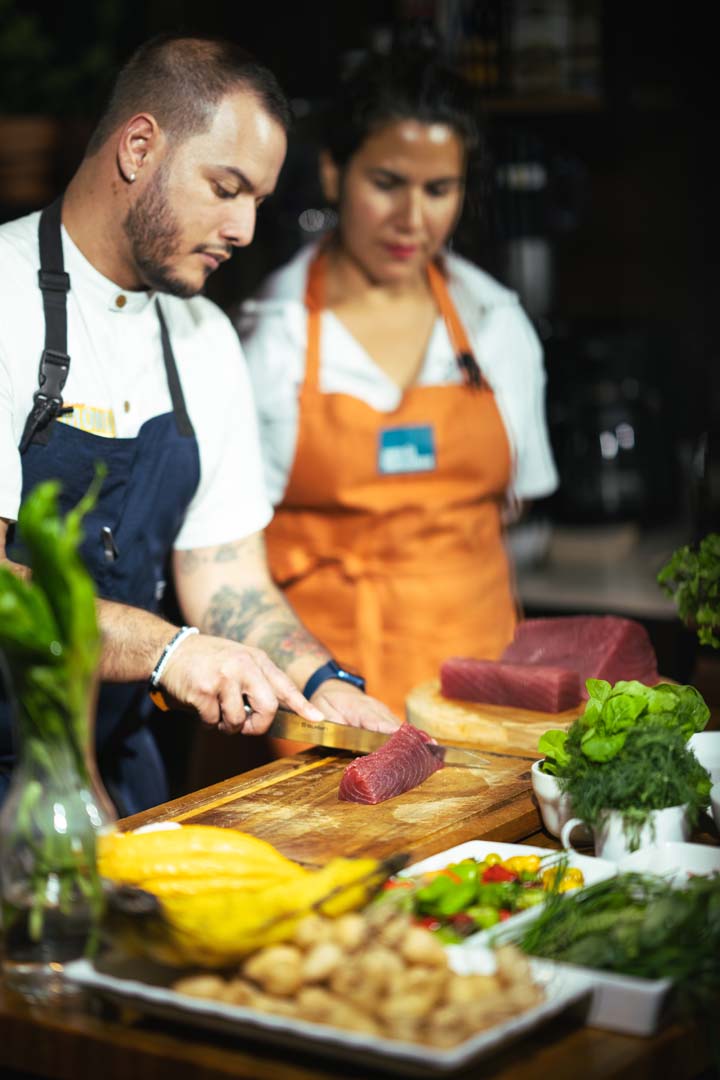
[54, 280]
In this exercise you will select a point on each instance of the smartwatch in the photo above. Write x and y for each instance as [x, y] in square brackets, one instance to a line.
[331, 670]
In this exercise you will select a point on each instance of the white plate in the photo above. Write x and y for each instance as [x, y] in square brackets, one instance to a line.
[592, 869]
[145, 986]
[674, 860]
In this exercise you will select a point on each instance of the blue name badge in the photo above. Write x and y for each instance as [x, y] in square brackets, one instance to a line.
[406, 450]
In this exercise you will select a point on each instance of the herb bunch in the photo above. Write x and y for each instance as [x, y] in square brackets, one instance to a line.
[641, 925]
[692, 579]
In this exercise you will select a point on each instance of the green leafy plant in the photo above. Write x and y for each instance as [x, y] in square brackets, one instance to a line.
[611, 712]
[552, 747]
[628, 751]
[50, 642]
[692, 579]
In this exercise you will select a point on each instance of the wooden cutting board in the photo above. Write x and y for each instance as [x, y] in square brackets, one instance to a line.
[496, 727]
[293, 803]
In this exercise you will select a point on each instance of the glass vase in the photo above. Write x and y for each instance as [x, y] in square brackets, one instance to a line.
[51, 892]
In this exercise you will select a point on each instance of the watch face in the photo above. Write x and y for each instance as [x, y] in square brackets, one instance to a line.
[348, 676]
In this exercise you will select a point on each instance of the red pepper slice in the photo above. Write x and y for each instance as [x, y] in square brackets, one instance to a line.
[504, 913]
[498, 873]
[429, 922]
[462, 921]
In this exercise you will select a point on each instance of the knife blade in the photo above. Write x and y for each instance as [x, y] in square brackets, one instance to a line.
[287, 725]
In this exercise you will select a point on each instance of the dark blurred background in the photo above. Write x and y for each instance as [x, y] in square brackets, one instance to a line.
[598, 206]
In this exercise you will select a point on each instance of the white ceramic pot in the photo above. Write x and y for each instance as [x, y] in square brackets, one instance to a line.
[555, 808]
[611, 841]
[715, 803]
[706, 747]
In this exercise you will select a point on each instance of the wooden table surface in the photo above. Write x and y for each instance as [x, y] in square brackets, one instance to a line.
[293, 803]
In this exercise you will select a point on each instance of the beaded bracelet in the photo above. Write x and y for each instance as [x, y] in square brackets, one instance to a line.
[165, 655]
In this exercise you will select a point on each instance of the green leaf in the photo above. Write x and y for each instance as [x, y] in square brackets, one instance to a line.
[552, 746]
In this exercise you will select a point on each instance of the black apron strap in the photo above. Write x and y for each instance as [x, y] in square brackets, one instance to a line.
[54, 362]
[182, 419]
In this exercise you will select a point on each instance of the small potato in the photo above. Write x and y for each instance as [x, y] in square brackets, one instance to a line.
[310, 930]
[349, 1017]
[523, 995]
[281, 1006]
[277, 969]
[512, 965]
[378, 964]
[350, 985]
[358, 1020]
[485, 1012]
[418, 946]
[403, 1028]
[393, 931]
[314, 1003]
[349, 931]
[464, 988]
[320, 961]
[409, 1006]
[425, 980]
[446, 1025]
[239, 992]
[201, 986]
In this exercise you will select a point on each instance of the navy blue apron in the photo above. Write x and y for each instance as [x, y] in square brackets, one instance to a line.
[150, 482]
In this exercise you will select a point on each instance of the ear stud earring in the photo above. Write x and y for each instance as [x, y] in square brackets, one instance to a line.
[132, 177]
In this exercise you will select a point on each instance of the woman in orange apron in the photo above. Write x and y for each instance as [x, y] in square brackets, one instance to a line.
[388, 537]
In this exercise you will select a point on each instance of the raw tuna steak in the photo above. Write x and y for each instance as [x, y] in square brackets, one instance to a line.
[403, 762]
[522, 686]
[596, 646]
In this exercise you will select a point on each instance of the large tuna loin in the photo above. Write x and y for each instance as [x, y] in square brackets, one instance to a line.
[402, 763]
[521, 686]
[596, 646]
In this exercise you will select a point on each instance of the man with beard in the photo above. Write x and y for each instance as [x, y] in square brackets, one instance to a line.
[140, 371]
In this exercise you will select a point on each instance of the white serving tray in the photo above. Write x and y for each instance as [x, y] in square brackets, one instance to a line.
[624, 1003]
[146, 987]
[592, 869]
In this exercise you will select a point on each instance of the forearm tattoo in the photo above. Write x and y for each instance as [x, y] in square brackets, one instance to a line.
[190, 561]
[252, 614]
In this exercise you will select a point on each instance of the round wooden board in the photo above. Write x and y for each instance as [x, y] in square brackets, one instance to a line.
[492, 727]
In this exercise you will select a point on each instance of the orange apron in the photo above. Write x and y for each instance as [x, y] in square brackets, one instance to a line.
[396, 571]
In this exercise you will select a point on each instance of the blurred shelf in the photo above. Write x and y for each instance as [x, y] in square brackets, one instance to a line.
[599, 577]
[545, 103]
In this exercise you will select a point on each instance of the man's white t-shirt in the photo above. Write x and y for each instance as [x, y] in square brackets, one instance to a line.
[117, 381]
[273, 328]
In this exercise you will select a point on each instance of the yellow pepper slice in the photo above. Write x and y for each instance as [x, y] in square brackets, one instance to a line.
[571, 879]
[523, 864]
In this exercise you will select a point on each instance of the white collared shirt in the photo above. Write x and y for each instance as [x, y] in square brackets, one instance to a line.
[273, 329]
[117, 381]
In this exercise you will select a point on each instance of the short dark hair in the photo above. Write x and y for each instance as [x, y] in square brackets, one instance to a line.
[409, 83]
[180, 80]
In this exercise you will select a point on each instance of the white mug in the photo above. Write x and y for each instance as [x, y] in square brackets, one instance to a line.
[612, 843]
[555, 808]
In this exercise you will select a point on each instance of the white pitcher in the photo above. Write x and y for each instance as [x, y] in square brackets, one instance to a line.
[611, 841]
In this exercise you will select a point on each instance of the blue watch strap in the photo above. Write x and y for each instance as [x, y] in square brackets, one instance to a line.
[331, 670]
